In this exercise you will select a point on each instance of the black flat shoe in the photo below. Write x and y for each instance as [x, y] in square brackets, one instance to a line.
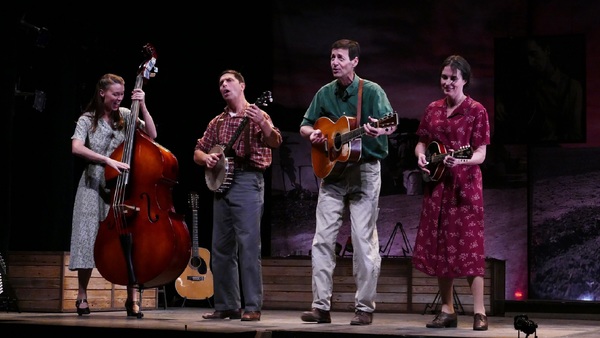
[443, 320]
[82, 311]
[480, 322]
[133, 309]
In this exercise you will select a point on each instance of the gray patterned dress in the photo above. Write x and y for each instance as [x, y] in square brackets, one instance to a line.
[92, 200]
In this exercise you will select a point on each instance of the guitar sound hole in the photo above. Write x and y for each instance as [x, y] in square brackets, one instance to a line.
[199, 264]
[337, 142]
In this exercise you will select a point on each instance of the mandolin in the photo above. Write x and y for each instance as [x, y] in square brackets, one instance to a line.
[435, 154]
[196, 281]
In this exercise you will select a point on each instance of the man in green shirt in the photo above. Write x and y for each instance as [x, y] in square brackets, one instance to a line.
[350, 168]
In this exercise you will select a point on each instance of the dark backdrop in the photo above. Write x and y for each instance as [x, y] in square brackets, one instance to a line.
[63, 57]
[279, 44]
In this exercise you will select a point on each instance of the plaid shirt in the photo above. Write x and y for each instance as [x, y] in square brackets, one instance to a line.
[261, 155]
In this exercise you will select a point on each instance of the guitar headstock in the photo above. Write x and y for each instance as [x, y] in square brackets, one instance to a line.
[264, 99]
[390, 119]
[147, 68]
[193, 200]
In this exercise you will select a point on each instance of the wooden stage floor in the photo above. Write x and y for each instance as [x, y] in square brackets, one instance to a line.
[176, 322]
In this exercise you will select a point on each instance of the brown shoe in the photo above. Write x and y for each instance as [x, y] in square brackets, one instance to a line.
[443, 320]
[362, 318]
[251, 316]
[480, 322]
[316, 316]
[231, 314]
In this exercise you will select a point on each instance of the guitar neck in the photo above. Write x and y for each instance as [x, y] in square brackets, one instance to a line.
[351, 135]
[358, 132]
[195, 231]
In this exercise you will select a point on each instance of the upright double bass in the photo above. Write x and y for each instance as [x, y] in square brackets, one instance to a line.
[142, 242]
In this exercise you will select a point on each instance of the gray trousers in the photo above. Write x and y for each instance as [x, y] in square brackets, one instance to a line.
[236, 243]
[359, 189]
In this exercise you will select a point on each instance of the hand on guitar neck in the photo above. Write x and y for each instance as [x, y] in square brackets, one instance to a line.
[435, 154]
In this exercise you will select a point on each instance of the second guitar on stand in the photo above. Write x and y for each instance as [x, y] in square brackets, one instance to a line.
[196, 281]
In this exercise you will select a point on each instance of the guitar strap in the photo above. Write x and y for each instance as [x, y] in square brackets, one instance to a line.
[359, 103]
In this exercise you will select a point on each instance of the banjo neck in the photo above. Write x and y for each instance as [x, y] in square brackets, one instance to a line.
[228, 148]
[263, 100]
[220, 177]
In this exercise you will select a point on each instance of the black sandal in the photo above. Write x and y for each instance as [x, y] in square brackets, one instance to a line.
[82, 311]
[133, 309]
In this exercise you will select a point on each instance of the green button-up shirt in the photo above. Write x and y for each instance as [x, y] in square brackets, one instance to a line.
[333, 102]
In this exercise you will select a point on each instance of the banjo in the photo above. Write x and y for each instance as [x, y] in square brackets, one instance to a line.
[220, 177]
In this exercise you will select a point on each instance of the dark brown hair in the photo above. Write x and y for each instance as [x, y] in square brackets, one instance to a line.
[235, 73]
[457, 62]
[96, 104]
[352, 46]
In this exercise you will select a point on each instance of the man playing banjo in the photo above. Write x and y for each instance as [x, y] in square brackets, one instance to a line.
[235, 150]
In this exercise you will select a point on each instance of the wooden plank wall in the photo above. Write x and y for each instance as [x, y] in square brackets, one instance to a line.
[43, 282]
[401, 288]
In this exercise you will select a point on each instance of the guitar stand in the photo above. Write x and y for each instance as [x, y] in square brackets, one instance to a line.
[437, 300]
[207, 299]
[406, 247]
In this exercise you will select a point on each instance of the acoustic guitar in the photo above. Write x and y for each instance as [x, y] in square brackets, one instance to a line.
[220, 177]
[196, 281]
[343, 144]
[435, 154]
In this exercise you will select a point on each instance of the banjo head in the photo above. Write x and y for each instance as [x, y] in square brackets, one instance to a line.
[219, 177]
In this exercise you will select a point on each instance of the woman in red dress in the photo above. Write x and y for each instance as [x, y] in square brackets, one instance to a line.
[449, 241]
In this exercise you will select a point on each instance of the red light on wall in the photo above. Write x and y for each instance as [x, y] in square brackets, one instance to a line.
[518, 295]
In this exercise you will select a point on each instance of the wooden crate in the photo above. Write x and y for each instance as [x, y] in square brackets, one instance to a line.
[287, 285]
[42, 282]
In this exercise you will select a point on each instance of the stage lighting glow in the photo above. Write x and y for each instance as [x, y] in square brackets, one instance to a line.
[518, 295]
